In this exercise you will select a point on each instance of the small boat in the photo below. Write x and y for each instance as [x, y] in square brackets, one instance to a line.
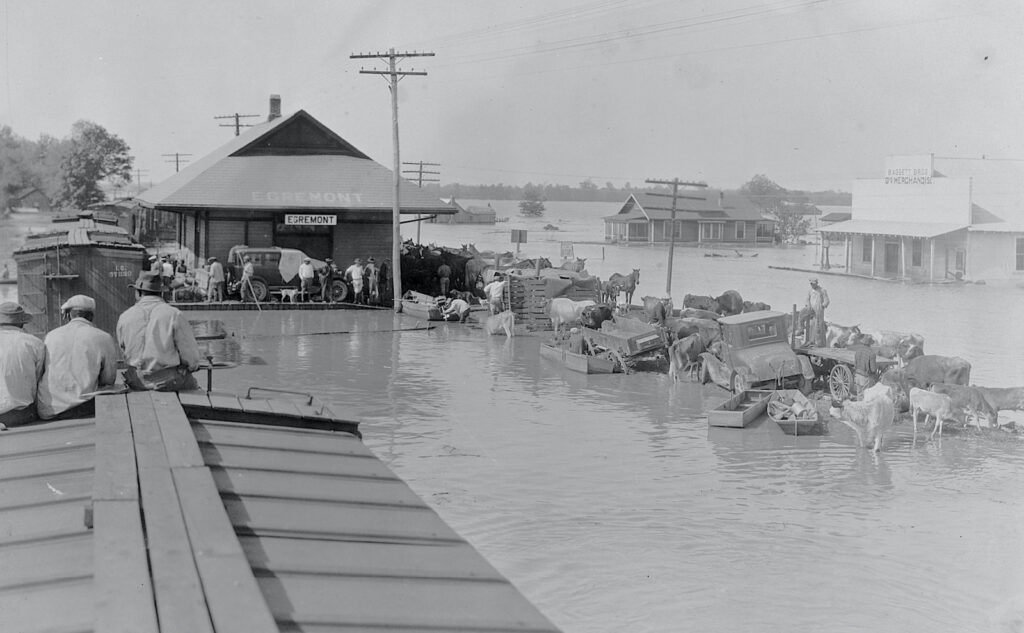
[572, 353]
[417, 304]
[794, 413]
[740, 410]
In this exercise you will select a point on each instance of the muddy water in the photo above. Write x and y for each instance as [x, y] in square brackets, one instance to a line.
[612, 506]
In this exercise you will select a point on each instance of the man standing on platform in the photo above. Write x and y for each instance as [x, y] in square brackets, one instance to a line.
[444, 273]
[80, 359]
[354, 274]
[215, 286]
[817, 301]
[306, 275]
[158, 344]
[22, 360]
[327, 281]
[248, 270]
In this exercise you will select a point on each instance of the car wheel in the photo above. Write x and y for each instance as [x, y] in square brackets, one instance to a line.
[260, 290]
[804, 385]
[738, 383]
[338, 291]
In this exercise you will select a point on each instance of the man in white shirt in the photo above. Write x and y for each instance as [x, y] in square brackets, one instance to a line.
[215, 286]
[22, 360]
[80, 359]
[817, 301]
[495, 292]
[306, 275]
[354, 274]
[457, 306]
[157, 341]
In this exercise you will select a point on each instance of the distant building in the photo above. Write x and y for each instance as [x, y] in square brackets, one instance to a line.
[919, 224]
[830, 214]
[469, 215]
[30, 199]
[719, 217]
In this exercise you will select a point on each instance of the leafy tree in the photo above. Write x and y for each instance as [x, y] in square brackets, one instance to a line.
[533, 202]
[765, 193]
[94, 155]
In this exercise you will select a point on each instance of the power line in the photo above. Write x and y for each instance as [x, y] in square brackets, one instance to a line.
[178, 160]
[419, 183]
[138, 177]
[675, 183]
[238, 125]
[393, 76]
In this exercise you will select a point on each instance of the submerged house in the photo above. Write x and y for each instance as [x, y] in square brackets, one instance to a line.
[721, 217]
[288, 182]
[470, 214]
[921, 224]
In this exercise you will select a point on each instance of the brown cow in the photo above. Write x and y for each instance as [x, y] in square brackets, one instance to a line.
[925, 371]
[1003, 398]
[679, 328]
[969, 402]
[657, 309]
[729, 302]
[684, 356]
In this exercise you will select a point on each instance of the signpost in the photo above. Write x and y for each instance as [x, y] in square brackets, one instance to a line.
[518, 237]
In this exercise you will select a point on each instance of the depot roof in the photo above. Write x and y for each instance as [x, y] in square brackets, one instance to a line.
[293, 163]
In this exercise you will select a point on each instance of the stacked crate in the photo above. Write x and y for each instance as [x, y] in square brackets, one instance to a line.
[526, 297]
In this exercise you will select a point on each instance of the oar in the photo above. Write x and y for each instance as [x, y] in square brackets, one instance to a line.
[253, 292]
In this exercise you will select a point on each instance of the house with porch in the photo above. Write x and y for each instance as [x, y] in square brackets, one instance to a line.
[719, 217]
[289, 182]
[921, 224]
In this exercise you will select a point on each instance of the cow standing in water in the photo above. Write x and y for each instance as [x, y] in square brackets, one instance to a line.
[627, 283]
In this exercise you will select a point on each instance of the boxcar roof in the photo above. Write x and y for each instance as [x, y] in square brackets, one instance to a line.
[85, 232]
[164, 515]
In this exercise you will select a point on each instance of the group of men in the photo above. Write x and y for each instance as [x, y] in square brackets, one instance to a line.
[59, 377]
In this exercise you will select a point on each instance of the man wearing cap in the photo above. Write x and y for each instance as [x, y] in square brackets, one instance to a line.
[158, 344]
[306, 275]
[80, 358]
[371, 278]
[354, 274]
[817, 301]
[248, 270]
[215, 285]
[327, 281]
[22, 360]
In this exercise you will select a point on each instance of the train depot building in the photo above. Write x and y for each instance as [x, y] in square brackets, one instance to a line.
[288, 182]
[921, 224]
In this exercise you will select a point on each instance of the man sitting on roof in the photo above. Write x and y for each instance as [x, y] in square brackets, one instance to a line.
[81, 358]
[158, 344]
[22, 360]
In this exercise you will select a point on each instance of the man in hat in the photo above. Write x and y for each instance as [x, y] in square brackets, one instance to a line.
[22, 361]
[215, 285]
[80, 359]
[327, 281]
[371, 279]
[158, 344]
[817, 301]
[248, 270]
[155, 265]
[306, 275]
[354, 274]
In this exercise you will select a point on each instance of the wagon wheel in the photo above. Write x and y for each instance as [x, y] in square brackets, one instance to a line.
[622, 361]
[840, 382]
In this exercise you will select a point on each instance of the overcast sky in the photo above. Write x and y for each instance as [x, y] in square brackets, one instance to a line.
[810, 93]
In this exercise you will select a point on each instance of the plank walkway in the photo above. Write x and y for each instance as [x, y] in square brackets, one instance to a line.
[207, 513]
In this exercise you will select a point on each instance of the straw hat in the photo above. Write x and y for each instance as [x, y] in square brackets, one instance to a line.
[210, 260]
[79, 302]
[149, 281]
[13, 314]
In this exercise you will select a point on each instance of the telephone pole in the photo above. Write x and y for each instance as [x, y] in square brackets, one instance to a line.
[675, 183]
[138, 177]
[419, 183]
[238, 125]
[393, 75]
[178, 160]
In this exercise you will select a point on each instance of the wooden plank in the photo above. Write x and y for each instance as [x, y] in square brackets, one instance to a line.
[180, 601]
[193, 398]
[285, 407]
[179, 441]
[218, 401]
[123, 593]
[115, 454]
[256, 406]
[279, 438]
[316, 463]
[233, 597]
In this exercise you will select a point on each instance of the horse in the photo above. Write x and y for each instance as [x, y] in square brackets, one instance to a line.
[610, 292]
[627, 283]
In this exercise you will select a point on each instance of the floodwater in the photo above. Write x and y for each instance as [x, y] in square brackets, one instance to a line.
[612, 506]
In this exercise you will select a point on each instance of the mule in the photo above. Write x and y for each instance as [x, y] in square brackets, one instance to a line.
[627, 283]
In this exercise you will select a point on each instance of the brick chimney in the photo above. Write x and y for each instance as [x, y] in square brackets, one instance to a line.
[275, 107]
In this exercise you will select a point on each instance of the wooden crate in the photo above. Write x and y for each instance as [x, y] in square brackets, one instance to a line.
[526, 296]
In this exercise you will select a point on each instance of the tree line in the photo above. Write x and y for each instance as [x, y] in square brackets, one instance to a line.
[69, 171]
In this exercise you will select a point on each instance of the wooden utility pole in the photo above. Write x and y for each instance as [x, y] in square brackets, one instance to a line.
[419, 183]
[138, 177]
[238, 125]
[675, 183]
[177, 160]
[393, 75]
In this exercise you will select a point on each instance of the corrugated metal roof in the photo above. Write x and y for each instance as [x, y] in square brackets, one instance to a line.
[204, 524]
[234, 177]
[881, 227]
[84, 232]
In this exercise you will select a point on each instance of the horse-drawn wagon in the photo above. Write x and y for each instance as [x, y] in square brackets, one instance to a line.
[836, 365]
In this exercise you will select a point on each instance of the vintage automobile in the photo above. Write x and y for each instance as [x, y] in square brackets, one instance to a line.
[755, 353]
[275, 269]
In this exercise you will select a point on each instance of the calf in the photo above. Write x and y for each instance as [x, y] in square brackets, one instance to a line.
[593, 316]
[502, 321]
[563, 310]
[1003, 399]
[970, 401]
[869, 419]
[937, 404]
[684, 356]
[904, 346]
[841, 335]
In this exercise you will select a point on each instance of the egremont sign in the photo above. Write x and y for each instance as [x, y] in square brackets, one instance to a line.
[310, 219]
[308, 197]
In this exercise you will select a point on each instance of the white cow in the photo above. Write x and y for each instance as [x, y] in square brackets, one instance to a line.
[563, 310]
[937, 404]
[869, 419]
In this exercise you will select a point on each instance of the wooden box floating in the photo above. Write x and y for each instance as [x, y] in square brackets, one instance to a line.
[740, 410]
[794, 413]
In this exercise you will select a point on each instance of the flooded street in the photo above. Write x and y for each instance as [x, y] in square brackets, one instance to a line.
[610, 503]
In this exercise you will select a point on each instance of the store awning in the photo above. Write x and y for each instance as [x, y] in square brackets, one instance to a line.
[897, 229]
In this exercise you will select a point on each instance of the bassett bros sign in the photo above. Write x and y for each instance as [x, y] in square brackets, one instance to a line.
[309, 219]
[908, 170]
